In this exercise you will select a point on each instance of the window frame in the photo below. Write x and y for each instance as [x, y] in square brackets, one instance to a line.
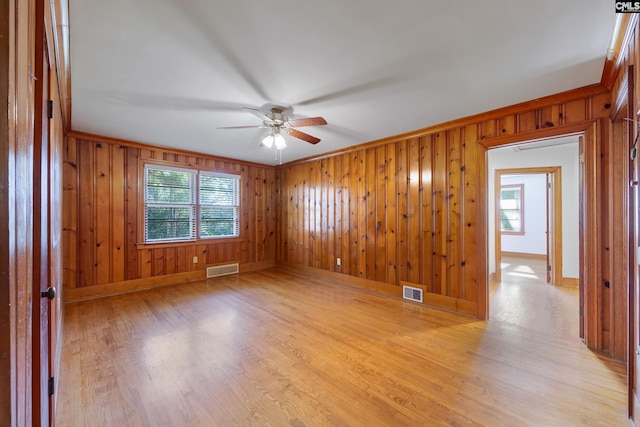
[144, 164]
[235, 205]
[520, 232]
[191, 205]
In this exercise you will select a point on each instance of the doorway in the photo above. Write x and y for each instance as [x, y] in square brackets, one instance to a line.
[534, 228]
[536, 287]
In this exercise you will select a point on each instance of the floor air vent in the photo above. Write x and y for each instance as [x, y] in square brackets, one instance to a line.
[222, 270]
[413, 294]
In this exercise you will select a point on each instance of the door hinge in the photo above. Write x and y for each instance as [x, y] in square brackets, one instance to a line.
[51, 386]
[50, 109]
[548, 268]
[581, 310]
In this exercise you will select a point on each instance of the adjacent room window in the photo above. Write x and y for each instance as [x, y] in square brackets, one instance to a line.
[512, 209]
[188, 204]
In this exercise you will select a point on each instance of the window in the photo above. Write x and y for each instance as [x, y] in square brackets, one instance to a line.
[219, 206]
[512, 209]
[187, 204]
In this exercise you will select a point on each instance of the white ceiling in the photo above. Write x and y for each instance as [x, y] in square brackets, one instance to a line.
[169, 73]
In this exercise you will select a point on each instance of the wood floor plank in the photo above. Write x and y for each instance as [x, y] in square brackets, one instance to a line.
[274, 348]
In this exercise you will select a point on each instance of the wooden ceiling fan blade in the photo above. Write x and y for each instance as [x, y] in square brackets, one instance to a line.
[243, 127]
[303, 136]
[259, 114]
[311, 121]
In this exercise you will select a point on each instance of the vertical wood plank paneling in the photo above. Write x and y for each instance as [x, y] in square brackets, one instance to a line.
[440, 180]
[191, 251]
[474, 269]
[369, 220]
[157, 266]
[131, 191]
[181, 259]
[507, 125]
[308, 218]
[70, 214]
[361, 217]
[283, 201]
[309, 214]
[270, 209]
[416, 188]
[118, 214]
[201, 251]
[301, 232]
[454, 197]
[247, 213]
[170, 260]
[293, 222]
[212, 253]
[402, 233]
[337, 212]
[346, 209]
[258, 201]
[245, 200]
[328, 216]
[619, 224]
[86, 231]
[550, 116]
[426, 221]
[420, 202]
[102, 214]
[391, 216]
[145, 263]
[380, 216]
[606, 212]
[489, 129]
[354, 214]
[575, 111]
[527, 121]
[316, 206]
[146, 153]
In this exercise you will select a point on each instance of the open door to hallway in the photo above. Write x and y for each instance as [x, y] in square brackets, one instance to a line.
[535, 279]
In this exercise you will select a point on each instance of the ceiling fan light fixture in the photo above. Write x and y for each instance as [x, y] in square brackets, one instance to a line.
[268, 140]
[279, 141]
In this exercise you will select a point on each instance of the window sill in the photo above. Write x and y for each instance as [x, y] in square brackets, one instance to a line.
[512, 233]
[177, 244]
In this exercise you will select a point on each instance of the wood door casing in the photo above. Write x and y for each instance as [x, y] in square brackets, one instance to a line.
[549, 209]
[556, 250]
[632, 135]
[41, 237]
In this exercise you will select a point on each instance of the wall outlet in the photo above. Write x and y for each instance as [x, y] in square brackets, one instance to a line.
[195, 259]
[338, 261]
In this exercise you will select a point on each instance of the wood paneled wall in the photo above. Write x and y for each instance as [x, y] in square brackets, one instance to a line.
[101, 220]
[622, 74]
[24, 27]
[17, 111]
[413, 208]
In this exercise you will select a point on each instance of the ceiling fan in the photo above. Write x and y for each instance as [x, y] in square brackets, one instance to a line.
[277, 120]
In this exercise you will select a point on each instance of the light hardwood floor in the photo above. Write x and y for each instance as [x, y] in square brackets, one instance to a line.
[273, 348]
[525, 299]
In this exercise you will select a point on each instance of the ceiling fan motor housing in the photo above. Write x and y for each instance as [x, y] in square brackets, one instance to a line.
[277, 117]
